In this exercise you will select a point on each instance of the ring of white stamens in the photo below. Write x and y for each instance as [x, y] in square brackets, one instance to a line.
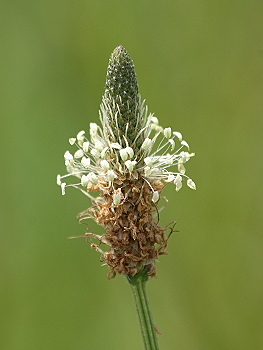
[102, 159]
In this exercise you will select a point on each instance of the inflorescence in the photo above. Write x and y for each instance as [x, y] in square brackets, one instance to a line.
[127, 160]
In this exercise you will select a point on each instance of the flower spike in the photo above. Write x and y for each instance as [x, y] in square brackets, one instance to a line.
[127, 160]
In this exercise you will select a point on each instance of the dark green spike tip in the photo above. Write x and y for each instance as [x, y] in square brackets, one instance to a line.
[121, 81]
[122, 93]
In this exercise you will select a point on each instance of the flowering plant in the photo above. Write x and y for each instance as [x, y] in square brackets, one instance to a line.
[127, 161]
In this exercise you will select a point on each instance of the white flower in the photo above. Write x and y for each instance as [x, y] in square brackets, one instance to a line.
[126, 162]
[100, 160]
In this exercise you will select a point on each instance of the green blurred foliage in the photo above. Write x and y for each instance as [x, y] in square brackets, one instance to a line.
[200, 67]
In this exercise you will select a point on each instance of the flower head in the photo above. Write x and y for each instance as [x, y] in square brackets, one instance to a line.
[127, 160]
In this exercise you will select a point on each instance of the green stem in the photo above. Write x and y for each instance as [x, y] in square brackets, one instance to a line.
[138, 284]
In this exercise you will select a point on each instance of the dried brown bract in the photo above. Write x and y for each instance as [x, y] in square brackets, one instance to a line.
[134, 237]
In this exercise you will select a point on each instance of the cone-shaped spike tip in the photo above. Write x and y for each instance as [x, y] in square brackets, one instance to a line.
[121, 99]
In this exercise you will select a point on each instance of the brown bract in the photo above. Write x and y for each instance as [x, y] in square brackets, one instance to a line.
[132, 233]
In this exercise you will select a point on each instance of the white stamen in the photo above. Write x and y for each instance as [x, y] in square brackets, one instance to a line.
[147, 171]
[181, 168]
[178, 135]
[105, 165]
[171, 141]
[130, 152]
[116, 199]
[85, 179]
[59, 180]
[115, 145]
[123, 154]
[80, 135]
[103, 152]
[72, 140]
[111, 175]
[154, 120]
[155, 196]
[130, 164]
[63, 188]
[95, 153]
[146, 144]
[85, 146]
[69, 160]
[99, 146]
[191, 184]
[178, 186]
[184, 143]
[157, 128]
[178, 182]
[93, 178]
[68, 156]
[167, 132]
[170, 178]
[93, 128]
[93, 131]
[148, 161]
[78, 154]
[106, 155]
[85, 162]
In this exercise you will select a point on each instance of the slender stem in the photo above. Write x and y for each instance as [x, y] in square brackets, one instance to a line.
[138, 284]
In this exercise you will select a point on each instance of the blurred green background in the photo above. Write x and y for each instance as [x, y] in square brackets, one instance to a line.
[200, 68]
